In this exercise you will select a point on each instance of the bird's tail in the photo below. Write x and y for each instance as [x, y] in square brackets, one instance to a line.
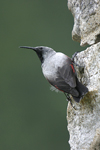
[82, 91]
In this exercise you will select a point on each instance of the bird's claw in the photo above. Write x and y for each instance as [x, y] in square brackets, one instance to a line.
[74, 55]
[81, 68]
[69, 99]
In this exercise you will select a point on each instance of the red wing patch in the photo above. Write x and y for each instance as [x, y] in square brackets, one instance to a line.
[73, 68]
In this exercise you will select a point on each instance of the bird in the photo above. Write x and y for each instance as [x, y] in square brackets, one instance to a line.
[60, 72]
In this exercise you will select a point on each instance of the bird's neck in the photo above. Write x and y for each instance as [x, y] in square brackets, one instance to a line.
[48, 56]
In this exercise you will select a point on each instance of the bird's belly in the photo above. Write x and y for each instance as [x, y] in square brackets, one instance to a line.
[51, 65]
[50, 73]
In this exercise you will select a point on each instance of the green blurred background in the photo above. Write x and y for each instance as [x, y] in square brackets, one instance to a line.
[31, 116]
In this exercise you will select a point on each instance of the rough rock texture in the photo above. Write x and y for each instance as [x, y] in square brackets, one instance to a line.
[86, 14]
[96, 141]
[84, 120]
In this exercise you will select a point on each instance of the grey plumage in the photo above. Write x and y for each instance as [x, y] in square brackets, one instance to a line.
[59, 70]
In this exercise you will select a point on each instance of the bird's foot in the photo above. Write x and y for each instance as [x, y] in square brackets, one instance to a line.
[69, 99]
[74, 55]
[81, 68]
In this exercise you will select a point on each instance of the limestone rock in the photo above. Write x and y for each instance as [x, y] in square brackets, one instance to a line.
[84, 120]
[86, 14]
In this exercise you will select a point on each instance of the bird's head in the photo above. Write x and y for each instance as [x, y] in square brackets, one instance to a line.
[43, 52]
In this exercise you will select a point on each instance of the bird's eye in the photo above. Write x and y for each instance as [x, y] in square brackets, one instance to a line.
[41, 48]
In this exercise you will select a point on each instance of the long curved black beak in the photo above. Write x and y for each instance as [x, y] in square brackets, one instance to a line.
[27, 47]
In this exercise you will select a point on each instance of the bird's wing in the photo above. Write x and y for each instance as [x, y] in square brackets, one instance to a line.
[66, 79]
[63, 86]
[67, 73]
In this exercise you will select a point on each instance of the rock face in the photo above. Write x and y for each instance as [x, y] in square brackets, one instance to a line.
[84, 120]
[86, 14]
